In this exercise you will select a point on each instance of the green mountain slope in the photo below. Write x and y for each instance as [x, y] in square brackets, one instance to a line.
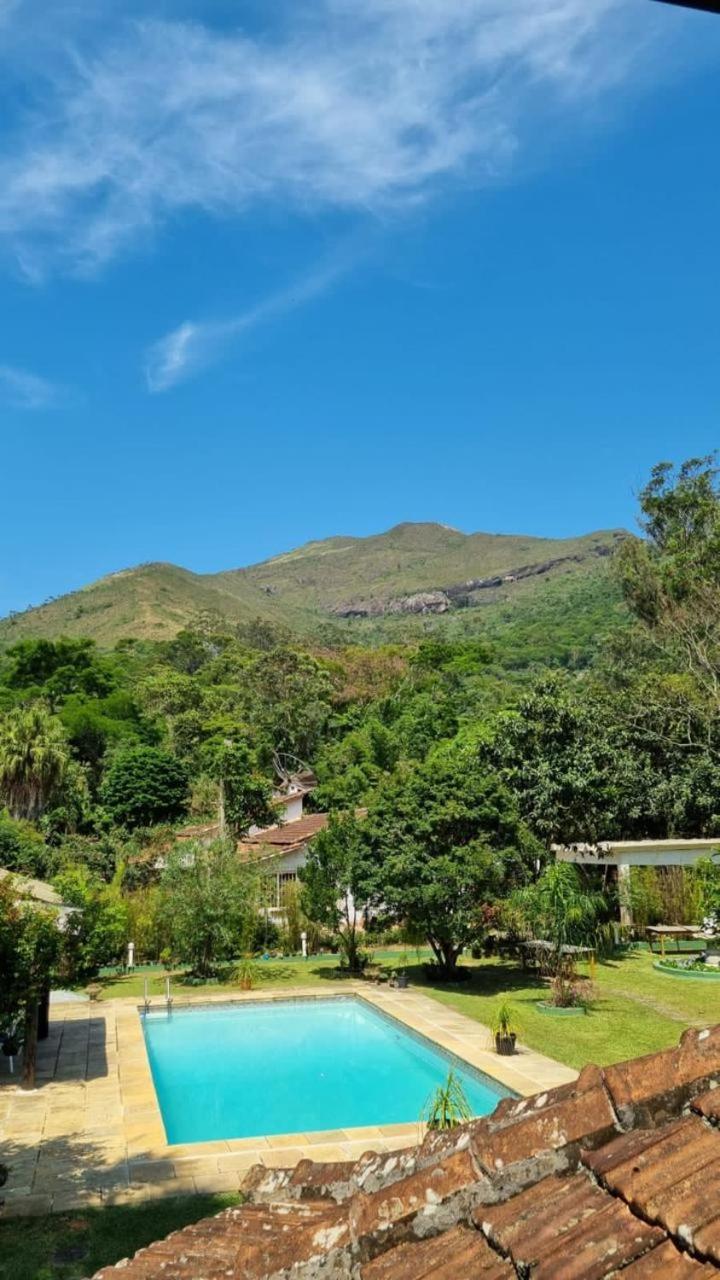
[152, 601]
[372, 576]
[397, 584]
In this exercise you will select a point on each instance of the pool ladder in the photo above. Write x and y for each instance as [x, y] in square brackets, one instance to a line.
[168, 997]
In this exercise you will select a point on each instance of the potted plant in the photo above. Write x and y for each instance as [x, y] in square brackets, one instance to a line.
[246, 973]
[505, 1037]
[402, 975]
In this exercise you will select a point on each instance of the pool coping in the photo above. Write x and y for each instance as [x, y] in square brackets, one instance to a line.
[93, 1134]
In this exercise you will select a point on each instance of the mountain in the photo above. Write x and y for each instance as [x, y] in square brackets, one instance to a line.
[388, 585]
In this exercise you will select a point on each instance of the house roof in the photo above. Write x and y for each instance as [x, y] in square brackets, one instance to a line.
[290, 833]
[37, 890]
[211, 830]
[277, 842]
[201, 831]
[614, 1175]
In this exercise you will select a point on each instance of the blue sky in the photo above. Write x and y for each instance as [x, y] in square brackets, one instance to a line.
[274, 271]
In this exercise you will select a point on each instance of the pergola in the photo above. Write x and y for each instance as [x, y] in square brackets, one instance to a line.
[625, 854]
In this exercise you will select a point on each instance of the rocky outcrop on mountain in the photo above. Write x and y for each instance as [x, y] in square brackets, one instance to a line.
[419, 602]
[460, 595]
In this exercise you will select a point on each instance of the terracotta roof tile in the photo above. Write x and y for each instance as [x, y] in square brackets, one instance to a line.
[289, 832]
[416, 1196]
[567, 1229]
[459, 1254]
[624, 1148]
[556, 1121]
[248, 1243]
[666, 1177]
[706, 1239]
[708, 1105]
[647, 1090]
[310, 1179]
[668, 1263]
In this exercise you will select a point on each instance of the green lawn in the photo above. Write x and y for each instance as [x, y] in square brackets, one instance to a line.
[68, 1246]
[292, 971]
[634, 1010]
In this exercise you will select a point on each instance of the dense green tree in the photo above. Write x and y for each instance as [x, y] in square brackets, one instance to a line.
[212, 902]
[671, 578]
[144, 785]
[446, 840]
[56, 668]
[30, 946]
[288, 699]
[576, 773]
[335, 882]
[22, 848]
[96, 726]
[96, 933]
[245, 794]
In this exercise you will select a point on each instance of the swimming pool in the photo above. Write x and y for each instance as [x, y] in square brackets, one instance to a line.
[295, 1066]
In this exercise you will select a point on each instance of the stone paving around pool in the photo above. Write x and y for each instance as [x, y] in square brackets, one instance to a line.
[92, 1133]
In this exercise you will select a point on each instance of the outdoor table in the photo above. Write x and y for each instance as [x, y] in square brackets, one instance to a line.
[680, 932]
[536, 947]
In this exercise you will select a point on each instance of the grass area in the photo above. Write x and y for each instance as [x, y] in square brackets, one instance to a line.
[634, 1009]
[291, 971]
[68, 1246]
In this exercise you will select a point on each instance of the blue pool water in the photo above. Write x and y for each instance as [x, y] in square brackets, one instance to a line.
[293, 1067]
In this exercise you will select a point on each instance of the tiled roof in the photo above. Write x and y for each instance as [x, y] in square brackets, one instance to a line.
[615, 1175]
[290, 832]
[206, 831]
[36, 890]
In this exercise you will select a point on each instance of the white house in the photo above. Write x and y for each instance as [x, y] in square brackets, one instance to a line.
[284, 850]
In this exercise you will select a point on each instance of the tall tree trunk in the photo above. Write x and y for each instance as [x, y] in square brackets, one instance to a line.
[445, 953]
[30, 1044]
[222, 821]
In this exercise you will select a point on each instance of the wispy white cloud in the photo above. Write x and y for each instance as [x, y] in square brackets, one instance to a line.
[192, 346]
[336, 104]
[23, 390]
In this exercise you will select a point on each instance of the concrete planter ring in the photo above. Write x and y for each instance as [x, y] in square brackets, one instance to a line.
[686, 971]
[560, 1011]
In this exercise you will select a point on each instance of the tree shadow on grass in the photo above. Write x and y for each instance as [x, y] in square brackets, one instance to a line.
[335, 973]
[484, 980]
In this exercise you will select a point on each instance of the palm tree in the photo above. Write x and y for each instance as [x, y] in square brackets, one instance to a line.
[34, 760]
